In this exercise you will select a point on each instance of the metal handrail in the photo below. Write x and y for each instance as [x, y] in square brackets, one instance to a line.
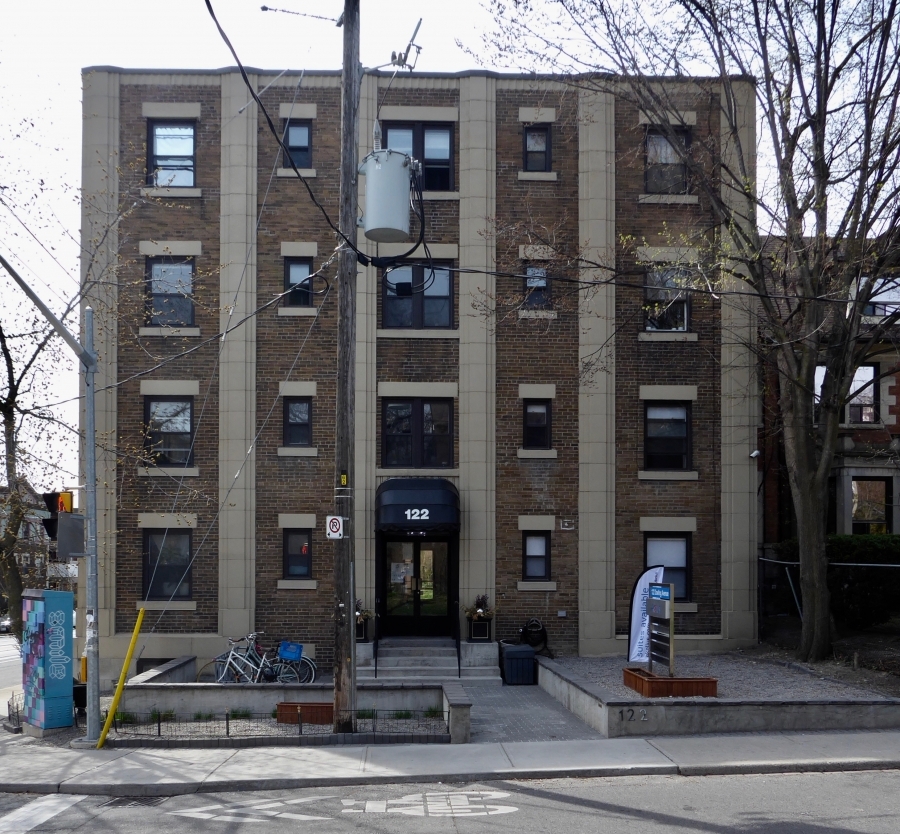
[375, 644]
[458, 651]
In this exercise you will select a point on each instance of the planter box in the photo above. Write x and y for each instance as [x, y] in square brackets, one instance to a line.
[313, 713]
[362, 632]
[656, 686]
[479, 631]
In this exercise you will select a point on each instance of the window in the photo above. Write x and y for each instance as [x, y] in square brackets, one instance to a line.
[537, 287]
[297, 554]
[536, 148]
[885, 297]
[417, 432]
[863, 406]
[298, 138]
[432, 144]
[666, 436]
[171, 155]
[872, 506]
[167, 564]
[170, 286]
[666, 303]
[297, 282]
[536, 424]
[417, 297]
[666, 170]
[168, 424]
[535, 556]
[298, 421]
[673, 552]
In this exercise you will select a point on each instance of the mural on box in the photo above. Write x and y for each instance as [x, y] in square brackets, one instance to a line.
[47, 658]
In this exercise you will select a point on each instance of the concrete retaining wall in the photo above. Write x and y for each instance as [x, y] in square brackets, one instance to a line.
[615, 717]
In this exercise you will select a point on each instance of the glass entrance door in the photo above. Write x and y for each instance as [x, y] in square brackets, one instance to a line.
[417, 596]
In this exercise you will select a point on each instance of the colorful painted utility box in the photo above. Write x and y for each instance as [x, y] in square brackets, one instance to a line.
[47, 657]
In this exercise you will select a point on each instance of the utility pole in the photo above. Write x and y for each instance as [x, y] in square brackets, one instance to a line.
[345, 440]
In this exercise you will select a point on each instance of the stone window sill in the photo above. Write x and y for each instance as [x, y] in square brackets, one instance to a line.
[168, 472]
[298, 311]
[298, 452]
[536, 453]
[537, 314]
[669, 476]
[166, 605]
[685, 607]
[184, 193]
[169, 331]
[537, 176]
[440, 195]
[298, 584]
[669, 199]
[524, 585]
[404, 333]
[306, 173]
[666, 336]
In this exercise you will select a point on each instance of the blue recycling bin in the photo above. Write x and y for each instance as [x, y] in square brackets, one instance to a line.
[47, 658]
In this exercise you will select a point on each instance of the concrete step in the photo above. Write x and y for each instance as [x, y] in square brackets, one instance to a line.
[417, 660]
[413, 642]
[395, 652]
[419, 673]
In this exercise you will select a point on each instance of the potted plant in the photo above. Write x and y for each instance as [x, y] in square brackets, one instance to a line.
[479, 618]
[363, 615]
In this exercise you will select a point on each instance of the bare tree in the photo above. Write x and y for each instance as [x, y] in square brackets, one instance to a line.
[814, 240]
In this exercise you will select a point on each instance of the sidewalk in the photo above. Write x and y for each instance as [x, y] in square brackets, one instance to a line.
[26, 765]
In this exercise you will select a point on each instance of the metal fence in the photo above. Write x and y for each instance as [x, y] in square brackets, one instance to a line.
[14, 709]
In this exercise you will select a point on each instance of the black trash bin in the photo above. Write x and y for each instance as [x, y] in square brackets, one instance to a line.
[517, 664]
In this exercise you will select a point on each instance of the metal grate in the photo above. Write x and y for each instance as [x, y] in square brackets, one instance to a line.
[133, 801]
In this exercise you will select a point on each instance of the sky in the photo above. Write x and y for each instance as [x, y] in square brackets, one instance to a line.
[47, 43]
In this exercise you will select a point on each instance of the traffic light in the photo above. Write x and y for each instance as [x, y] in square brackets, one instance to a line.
[63, 526]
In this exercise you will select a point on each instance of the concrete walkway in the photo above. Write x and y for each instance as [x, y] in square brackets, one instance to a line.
[27, 765]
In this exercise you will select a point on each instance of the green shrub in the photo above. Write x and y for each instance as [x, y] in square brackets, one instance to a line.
[434, 712]
[204, 716]
[165, 715]
[365, 713]
[402, 714]
[241, 713]
[126, 718]
[860, 597]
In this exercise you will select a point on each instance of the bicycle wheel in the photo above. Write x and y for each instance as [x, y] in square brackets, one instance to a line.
[208, 672]
[307, 670]
[286, 673]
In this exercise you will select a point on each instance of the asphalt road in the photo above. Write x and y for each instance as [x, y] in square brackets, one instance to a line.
[10, 664]
[817, 803]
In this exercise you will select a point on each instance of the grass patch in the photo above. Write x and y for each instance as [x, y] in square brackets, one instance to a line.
[241, 713]
[402, 715]
[365, 713]
[434, 712]
[164, 715]
[126, 718]
[204, 716]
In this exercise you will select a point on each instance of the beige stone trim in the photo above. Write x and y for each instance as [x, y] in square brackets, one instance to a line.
[537, 176]
[297, 389]
[173, 472]
[167, 191]
[532, 252]
[170, 387]
[669, 199]
[542, 523]
[298, 585]
[537, 114]
[401, 333]
[305, 173]
[171, 79]
[302, 521]
[176, 248]
[673, 117]
[170, 110]
[296, 110]
[666, 336]
[298, 452]
[298, 311]
[537, 314]
[299, 249]
[418, 389]
[668, 392]
[525, 585]
[667, 254]
[536, 454]
[412, 113]
[537, 391]
[439, 251]
[168, 332]
[167, 520]
[441, 195]
[668, 524]
[166, 605]
[686, 608]
[681, 475]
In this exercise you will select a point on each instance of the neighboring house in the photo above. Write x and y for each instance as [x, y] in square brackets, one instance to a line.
[543, 453]
[33, 543]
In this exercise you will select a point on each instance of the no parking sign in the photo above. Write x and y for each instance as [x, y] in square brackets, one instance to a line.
[334, 527]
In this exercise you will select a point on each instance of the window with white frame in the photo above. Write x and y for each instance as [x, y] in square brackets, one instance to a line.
[171, 157]
[666, 171]
[535, 556]
[673, 552]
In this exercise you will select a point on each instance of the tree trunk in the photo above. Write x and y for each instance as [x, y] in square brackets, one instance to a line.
[15, 514]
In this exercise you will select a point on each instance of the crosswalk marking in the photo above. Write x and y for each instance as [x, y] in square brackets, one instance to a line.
[37, 812]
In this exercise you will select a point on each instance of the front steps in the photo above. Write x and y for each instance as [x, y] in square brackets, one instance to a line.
[427, 660]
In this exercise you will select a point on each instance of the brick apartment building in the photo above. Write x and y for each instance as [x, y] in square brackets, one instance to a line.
[568, 436]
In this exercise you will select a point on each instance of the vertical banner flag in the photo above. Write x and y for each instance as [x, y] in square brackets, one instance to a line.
[639, 632]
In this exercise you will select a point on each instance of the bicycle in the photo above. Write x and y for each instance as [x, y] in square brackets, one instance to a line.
[248, 663]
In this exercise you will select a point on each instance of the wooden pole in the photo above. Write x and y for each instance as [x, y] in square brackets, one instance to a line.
[345, 611]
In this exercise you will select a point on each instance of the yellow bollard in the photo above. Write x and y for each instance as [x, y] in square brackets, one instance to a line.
[121, 684]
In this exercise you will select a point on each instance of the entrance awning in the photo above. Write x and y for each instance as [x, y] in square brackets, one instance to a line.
[408, 505]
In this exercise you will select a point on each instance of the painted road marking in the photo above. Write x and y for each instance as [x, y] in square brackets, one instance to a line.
[37, 812]
[250, 811]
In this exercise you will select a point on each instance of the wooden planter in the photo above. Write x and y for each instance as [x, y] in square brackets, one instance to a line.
[289, 712]
[362, 631]
[479, 630]
[656, 686]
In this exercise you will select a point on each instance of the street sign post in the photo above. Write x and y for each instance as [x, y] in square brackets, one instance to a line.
[334, 527]
[661, 610]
